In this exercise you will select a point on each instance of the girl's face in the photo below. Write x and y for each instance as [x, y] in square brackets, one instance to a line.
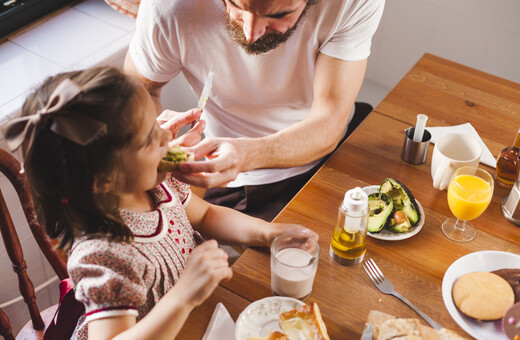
[149, 145]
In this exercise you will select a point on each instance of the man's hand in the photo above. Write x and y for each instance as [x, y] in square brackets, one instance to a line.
[225, 159]
[174, 121]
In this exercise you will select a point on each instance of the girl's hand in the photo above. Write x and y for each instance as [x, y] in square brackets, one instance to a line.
[173, 121]
[280, 228]
[206, 268]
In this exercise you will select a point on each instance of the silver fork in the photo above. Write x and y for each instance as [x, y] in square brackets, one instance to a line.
[385, 286]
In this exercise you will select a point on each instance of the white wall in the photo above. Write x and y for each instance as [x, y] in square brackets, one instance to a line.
[483, 34]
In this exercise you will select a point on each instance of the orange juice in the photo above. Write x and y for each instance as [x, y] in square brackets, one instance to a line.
[468, 196]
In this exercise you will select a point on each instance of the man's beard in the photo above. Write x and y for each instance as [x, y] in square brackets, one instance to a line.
[265, 43]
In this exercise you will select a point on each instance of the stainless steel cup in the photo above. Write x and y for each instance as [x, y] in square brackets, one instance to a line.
[511, 204]
[415, 152]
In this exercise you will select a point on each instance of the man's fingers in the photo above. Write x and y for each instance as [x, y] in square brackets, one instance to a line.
[205, 180]
[173, 121]
[192, 136]
[205, 147]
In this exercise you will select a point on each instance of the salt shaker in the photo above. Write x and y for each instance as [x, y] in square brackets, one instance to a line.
[348, 244]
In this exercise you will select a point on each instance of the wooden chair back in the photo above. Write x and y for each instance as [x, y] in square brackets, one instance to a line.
[10, 167]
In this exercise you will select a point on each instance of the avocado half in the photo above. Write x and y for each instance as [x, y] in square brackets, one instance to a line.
[380, 206]
[402, 199]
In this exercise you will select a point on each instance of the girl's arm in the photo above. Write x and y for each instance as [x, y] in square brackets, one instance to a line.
[229, 226]
[206, 268]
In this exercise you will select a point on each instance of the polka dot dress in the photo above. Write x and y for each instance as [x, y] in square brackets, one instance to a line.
[114, 279]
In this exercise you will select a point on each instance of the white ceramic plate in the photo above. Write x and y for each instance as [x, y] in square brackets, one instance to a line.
[261, 316]
[480, 261]
[386, 234]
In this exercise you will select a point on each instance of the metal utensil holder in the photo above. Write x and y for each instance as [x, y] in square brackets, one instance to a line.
[511, 204]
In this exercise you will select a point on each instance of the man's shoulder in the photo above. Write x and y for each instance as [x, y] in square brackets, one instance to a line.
[344, 10]
[167, 8]
[351, 4]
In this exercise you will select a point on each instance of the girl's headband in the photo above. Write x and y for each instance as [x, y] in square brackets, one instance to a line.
[77, 128]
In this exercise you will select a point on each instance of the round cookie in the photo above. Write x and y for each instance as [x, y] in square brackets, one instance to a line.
[482, 295]
[511, 322]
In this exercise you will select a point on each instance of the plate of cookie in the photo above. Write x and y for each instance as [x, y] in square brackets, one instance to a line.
[473, 278]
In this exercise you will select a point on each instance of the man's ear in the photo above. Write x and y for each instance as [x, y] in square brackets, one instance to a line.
[103, 184]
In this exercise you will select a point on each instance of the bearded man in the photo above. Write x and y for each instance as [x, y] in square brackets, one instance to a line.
[287, 73]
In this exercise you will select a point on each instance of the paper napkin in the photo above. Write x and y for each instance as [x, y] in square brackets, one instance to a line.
[467, 129]
[221, 326]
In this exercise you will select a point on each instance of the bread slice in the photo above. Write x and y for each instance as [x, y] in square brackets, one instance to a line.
[304, 322]
[386, 327]
[447, 334]
[173, 158]
[395, 328]
[376, 317]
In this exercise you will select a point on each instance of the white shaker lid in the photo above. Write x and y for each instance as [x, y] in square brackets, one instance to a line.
[355, 201]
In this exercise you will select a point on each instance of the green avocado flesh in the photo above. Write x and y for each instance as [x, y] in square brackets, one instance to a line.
[402, 198]
[380, 206]
[402, 226]
[399, 228]
[176, 155]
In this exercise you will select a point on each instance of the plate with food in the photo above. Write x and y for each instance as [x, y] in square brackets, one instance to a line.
[394, 212]
[276, 317]
[480, 288]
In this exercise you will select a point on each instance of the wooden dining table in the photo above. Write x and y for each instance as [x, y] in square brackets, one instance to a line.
[450, 94]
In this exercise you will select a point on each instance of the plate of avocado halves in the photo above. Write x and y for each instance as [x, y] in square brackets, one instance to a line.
[394, 213]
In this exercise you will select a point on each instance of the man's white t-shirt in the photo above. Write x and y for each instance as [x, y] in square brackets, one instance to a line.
[252, 95]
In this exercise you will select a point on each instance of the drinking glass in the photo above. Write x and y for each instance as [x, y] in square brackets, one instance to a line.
[469, 193]
[294, 260]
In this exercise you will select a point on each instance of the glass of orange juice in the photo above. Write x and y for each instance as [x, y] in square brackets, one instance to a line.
[469, 194]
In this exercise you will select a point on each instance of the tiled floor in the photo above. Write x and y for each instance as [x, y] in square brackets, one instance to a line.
[93, 32]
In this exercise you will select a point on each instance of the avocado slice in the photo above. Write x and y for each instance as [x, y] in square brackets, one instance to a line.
[402, 198]
[399, 222]
[380, 206]
[176, 154]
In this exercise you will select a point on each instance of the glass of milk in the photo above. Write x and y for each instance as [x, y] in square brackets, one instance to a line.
[294, 260]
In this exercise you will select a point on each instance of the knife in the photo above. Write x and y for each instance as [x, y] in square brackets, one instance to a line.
[367, 333]
[205, 92]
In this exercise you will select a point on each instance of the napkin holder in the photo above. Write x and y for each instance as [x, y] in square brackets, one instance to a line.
[511, 204]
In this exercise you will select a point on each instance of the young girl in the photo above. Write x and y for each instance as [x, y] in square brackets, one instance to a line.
[91, 146]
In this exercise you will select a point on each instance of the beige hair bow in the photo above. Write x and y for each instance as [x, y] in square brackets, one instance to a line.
[77, 128]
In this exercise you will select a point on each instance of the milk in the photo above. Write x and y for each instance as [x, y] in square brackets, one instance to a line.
[291, 274]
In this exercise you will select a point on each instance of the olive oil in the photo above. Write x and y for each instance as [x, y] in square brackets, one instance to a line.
[348, 244]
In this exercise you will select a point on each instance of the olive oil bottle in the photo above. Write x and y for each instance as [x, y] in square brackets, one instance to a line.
[348, 244]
